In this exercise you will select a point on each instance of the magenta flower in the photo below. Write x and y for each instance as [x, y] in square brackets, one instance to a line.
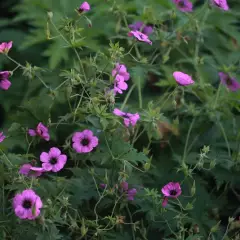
[2, 137]
[231, 83]
[84, 142]
[27, 204]
[221, 4]
[140, 26]
[119, 85]
[102, 185]
[183, 5]
[30, 171]
[41, 131]
[171, 190]
[128, 118]
[5, 47]
[131, 194]
[140, 36]
[53, 160]
[183, 79]
[121, 70]
[4, 82]
[85, 7]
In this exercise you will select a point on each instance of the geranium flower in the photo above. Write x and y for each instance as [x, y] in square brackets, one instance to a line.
[184, 5]
[221, 4]
[5, 47]
[140, 36]
[30, 171]
[27, 204]
[183, 79]
[102, 185]
[53, 160]
[4, 82]
[128, 118]
[140, 26]
[2, 137]
[84, 142]
[171, 190]
[41, 131]
[121, 70]
[119, 84]
[85, 7]
[231, 83]
[130, 193]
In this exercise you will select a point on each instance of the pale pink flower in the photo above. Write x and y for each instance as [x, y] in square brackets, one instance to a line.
[183, 78]
[5, 47]
[140, 36]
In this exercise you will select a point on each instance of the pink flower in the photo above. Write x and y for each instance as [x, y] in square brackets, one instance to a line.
[119, 84]
[84, 142]
[102, 185]
[85, 7]
[5, 47]
[2, 137]
[28, 170]
[140, 36]
[53, 160]
[4, 82]
[182, 78]
[124, 186]
[41, 131]
[183, 5]
[27, 204]
[121, 70]
[231, 83]
[221, 4]
[171, 190]
[128, 118]
[140, 26]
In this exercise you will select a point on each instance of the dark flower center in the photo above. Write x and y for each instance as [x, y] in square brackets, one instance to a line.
[85, 142]
[181, 3]
[229, 81]
[53, 161]
[27, 204]
[173, 192]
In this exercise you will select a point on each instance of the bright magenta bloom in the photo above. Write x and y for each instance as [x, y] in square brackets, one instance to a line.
[2, 137]
[41, 131]
[121, 75]
[28, 170]
[140, 36]
[85, 7]
[183, 5]
[182, 78]
[27, 204]
[84, 142]
[221, 4]
[128, 118]
[53, 160]
[172, 190]
[4, 82]
[231, 83]
[5, 47]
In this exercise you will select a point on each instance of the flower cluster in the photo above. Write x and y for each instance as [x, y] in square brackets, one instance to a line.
[120, 75]
[128, 118]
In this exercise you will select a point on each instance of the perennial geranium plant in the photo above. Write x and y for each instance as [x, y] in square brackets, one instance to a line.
[128, 128]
